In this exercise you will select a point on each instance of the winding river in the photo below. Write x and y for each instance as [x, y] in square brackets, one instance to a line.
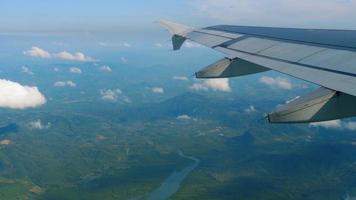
[172, 184]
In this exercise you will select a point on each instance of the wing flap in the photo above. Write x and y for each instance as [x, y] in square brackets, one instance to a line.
[320, 105]
[227, 68]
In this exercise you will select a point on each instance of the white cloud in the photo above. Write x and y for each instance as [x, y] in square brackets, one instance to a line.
[113, 95]
[184, 117]
[16, 96]
[282, 13]
[110, 95]
[158, 90]
[38, 125]
[64, 55]
[75, 70]
[5, 142]
[26, 70]
[105, 68]
[350, 126]
[124, 60]
[335, 124]
[37, 52]
[180, 78]
[65, 84]
[250, 109]
[213, 84]
[277, 83]
[78, 56]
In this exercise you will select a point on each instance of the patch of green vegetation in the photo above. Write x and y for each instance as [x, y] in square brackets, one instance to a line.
[104, 153]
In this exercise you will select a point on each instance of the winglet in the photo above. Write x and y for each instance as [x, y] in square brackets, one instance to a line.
[178, 31]
[175, 28]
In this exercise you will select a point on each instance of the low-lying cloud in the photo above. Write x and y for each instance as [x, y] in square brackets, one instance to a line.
[78, 56]
[114, 95]
[158, 90]
[250, 109]
[37, 52]
[180, 78]
[212, 84]
[105, 68]
[183, 117]
[64, 84]
[75, 70]
[277, 83]
[335, 124]
[38, 125]
[64, 55]
[26, 70]
[16, 96]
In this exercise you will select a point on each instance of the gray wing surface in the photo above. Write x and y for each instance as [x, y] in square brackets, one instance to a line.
[323, 57]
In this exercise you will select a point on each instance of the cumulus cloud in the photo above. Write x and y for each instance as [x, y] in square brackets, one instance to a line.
[184, 117]
[16, 96]
[65, 84]
[38, 125]
[180, 78]
[64, 55]
[26, 70]
[260, 12]
[37, 52]
[335, 124]
[78, 56]
[351, 126]
[105, 68]
[5, 142]
[276, 83]
[110, 95]
[212, 84]
[250, 109]
[113, 95]
[75, 70]
[158, 90]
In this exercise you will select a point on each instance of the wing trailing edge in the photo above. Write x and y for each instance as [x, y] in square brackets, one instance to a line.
[227, 68]
[321, 105]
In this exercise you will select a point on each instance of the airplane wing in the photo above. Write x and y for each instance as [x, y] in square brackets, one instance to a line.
[323, 57]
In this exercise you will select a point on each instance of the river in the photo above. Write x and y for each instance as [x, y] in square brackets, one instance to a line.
[172, 184]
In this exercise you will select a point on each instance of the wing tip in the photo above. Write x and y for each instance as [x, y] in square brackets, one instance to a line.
[173, 27]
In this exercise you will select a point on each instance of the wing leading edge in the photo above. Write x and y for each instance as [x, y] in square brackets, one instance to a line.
[323, 57]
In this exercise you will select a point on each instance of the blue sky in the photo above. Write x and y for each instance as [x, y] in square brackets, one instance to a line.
[139, 15]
